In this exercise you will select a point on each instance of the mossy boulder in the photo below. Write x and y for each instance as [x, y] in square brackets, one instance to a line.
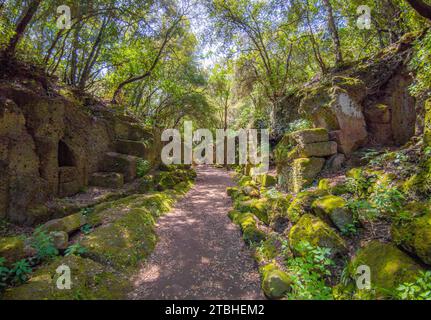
[90, 281]
[275, 282]
[245, 181]
[67, 224]
[123, 243]
[303, 173]
[308, 136]
[389, 267]
[259, 207]
[335, 209]
[251, 191]
[247, 223]
[302, 204]
[414, 235]
[253, 235]
[12, 249]
[268, 250]
[316, 232]
[60, 239]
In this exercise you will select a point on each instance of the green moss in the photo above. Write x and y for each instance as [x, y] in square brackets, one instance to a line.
[413, 233]
[315, 231]
[268, 250]
[245, 181]
[302, 204]
[277, 212]
[124, 243]
[324, 184]
[275, 282]
[420, 183]
[334, 208]
[427, 126]
[67, 224]
[389, 267]
[252, 235]
[259, 207]
[12, 249]
[90, 281]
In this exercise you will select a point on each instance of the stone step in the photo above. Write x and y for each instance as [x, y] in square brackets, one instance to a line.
[120, 163]
[111, 180]
[134, 148]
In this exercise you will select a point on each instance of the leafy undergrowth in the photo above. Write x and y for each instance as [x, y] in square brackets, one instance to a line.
[102, 255]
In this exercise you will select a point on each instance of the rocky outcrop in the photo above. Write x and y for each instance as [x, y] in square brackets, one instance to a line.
[365, 103]
[52, 145]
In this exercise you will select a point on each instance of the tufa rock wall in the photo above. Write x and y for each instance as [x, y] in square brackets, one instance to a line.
[366, 103]
[50, 146]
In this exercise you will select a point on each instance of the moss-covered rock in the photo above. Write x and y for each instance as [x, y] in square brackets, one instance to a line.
[275, 282]
[268, 250]
[335, 208]
[90, 281]
[414, 234]
[308, 136]
[67, 224]
[259, 207]
[302, 204]
[389, 267]
[304, 171]
[12, 249]
[277, 212]
[251, 191]
[253, 235]
[245, 181]
[316, 232]
[123, 243]
[60, 239]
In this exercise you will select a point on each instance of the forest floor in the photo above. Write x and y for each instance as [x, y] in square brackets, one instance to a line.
[200, 253]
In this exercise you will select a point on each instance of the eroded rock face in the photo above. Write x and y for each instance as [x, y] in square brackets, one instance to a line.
[365, 104]
[51, 145]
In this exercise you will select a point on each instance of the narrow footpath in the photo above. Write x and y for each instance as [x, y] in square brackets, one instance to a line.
[200, 253]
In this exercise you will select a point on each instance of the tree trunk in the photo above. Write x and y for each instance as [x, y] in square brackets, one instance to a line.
[24, 21]
[421, 7]
[334, 32]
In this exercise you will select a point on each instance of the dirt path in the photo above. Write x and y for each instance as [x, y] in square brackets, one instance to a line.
[200, 253]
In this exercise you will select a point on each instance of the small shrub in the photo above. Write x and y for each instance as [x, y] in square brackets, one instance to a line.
[418, 290]
[75, 249]
[349, 230]
[86, 211]
[308, 272]
[300, 124]
[387, 199]
[44, 244]
[143, 167]
[86, 229]
[20, 271]
[363, 210]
